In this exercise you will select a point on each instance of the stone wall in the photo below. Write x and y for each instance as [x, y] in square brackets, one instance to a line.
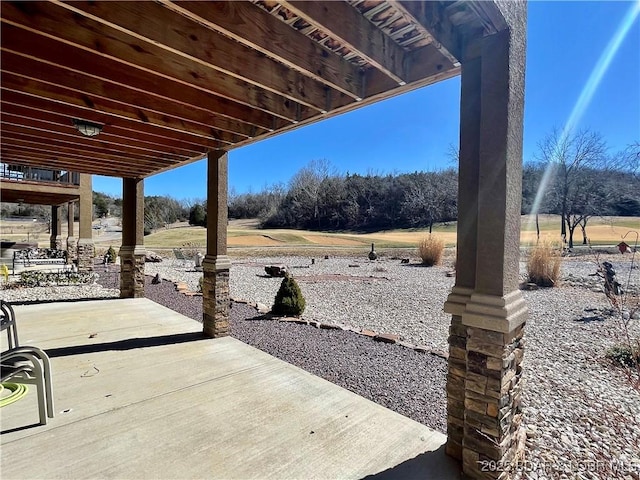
[215, 291]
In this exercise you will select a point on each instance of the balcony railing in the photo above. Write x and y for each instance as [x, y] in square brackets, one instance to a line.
[33, 174]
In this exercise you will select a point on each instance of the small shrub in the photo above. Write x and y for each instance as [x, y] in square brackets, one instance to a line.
[624, 355]
[289, 299]
[111, 255]
[201, 284]
[543, 266]
[430, 250]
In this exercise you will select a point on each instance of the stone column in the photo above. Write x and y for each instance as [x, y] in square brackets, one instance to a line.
[132, 251]
[465, 253]
[216, 264]
[495, 313]
[86, 248]
[72, 244]
[55, 241]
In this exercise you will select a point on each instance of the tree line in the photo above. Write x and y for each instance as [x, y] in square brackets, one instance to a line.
[572, 176]
[317, 199]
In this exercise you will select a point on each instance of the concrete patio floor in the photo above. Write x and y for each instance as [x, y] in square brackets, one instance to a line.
[141, 394]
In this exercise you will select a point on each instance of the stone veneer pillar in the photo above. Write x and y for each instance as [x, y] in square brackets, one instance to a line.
[86, 248]
[216, 264]
[465, 254]
[55, 241]
[72, 244]
[488, 313]
[132, 251]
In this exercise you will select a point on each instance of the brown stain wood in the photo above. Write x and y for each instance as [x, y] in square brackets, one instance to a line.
[344, 22]
[68, 26]
[253, 27]
[38, 47]
[152, 133]
[147, 21]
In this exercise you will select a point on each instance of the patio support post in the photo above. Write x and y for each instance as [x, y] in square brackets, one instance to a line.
[132, 251]
[55, 241]
[216, 264]
[72, 245]
[86, 248]
[486, 297]
[465, 253]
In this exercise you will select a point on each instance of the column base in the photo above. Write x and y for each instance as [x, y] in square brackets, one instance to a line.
[457, 300]
[72, 249]
[86, 254]
[132, 271]
[215, 295]
[492, 398]
[499, 314]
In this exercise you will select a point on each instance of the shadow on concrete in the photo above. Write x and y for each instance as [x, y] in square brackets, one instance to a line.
[434, 465]
[127, 344]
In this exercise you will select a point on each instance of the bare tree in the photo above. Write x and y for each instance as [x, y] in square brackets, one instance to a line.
[572, 157]
[304, 188]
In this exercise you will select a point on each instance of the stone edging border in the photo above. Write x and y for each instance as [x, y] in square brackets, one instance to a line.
[378, 337]
[183, 288]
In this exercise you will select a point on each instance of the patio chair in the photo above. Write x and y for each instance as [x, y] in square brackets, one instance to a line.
[180, 258]
[21, 365]
[26, 364]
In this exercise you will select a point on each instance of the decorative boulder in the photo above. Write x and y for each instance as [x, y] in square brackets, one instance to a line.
[276, 270]
[152, 257]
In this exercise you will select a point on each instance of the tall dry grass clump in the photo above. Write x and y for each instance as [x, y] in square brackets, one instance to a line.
[430, 250]
[543, 266]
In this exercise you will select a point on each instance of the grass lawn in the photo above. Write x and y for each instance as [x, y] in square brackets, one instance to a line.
[244, 235]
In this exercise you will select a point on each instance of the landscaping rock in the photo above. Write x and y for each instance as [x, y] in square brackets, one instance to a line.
[152, 257]
[386, 338]
[276, 270]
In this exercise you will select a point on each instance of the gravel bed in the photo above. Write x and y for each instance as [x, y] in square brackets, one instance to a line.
[391, 298]
[45, 294]
[582, 417]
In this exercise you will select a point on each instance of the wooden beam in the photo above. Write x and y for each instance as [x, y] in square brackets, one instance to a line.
[71, 164]
[148, 21]
[257, 29]
[87, 146]
[124, 101]
[38, 47]
[46, 148]
[344, 23]
[445, 74]
[16, 82]
[432, 17]
[69, 27]
[59, 126]
[121, 126]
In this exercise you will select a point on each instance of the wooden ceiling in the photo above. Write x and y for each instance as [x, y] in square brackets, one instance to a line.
[172, 80]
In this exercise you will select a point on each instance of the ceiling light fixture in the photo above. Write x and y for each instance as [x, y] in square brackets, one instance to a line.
[88, 129]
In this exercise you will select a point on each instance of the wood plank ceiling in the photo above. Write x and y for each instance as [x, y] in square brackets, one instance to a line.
[170, 81]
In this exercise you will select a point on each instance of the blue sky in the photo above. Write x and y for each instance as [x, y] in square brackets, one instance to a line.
[413, 131]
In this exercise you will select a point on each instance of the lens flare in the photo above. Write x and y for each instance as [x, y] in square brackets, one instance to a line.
[588, 91]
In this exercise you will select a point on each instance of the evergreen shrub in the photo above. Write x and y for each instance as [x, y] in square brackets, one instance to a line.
[289, 299]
